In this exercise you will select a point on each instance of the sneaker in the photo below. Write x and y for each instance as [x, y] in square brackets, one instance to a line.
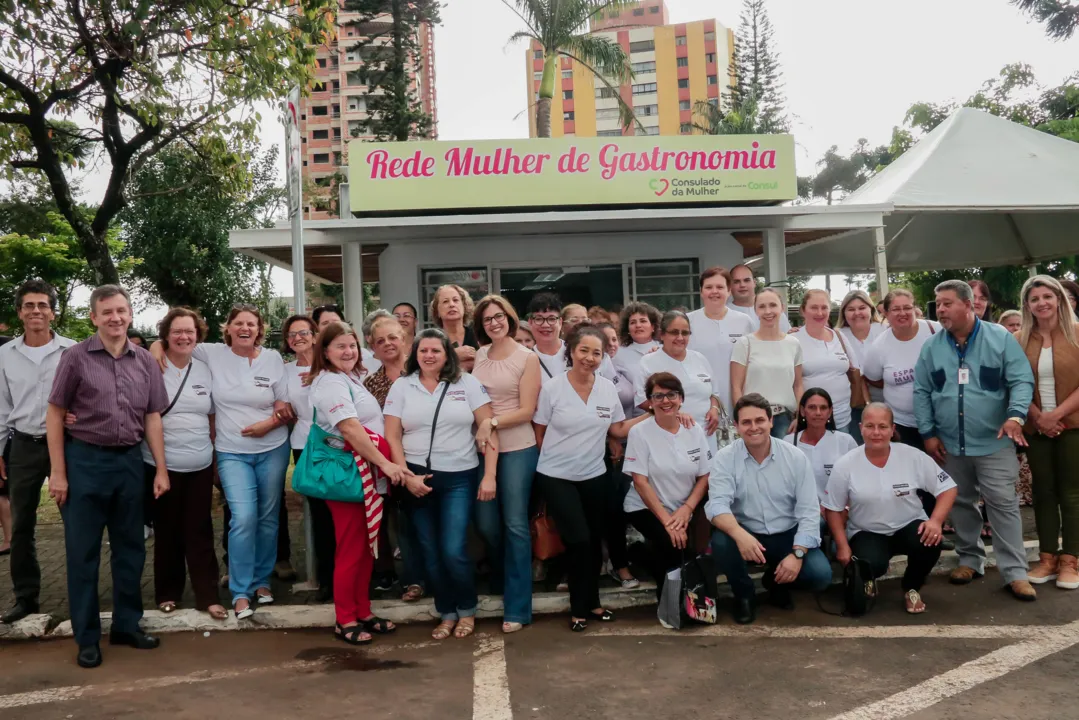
[1045, 570]
[1068, 577]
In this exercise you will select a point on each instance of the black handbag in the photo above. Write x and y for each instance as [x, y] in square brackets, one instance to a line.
[859, 590]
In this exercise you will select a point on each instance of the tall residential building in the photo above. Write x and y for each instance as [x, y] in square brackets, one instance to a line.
[330, 115]
[674, 66]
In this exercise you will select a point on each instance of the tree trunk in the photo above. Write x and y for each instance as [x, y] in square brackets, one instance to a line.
[543, 117]
[546, 93]
[97, 257]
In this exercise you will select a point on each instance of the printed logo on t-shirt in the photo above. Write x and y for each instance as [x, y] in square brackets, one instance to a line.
[336, 407]
[603, 413]
[262, 382]
[200, 389]
[709, 455]
[942, 477]
[734, 337]
[694, 454]
[828, 470]
[704, 378]
[630, 459]
[457, 396]
[903, 377]
[901, 489]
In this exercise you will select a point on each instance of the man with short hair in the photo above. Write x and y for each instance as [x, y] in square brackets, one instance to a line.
[116, 393]
[27, 367]
[744, 293]
[762, 502]
[972, 387]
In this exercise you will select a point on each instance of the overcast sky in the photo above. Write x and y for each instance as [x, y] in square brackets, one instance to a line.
[851, 67]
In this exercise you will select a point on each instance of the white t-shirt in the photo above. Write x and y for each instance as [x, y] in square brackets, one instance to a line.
[695, 374]
[769, 367]
[552, 365]
[40, 352]
[823, 455]
[576, 436]
[628, 361]
[715, 340]
[1047, 384]
[751, 313]
[244, 393]
[893, 362]
[337, 397]
[299, 398]
[672, 463]
[825, 365]
[859, 348]
[454, 446]
[883, 500]
[187, 426]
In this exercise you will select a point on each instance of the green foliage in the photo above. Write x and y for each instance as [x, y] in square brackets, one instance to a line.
[559, 29]
[178, 221]
[712, 119]
[391, 52]
[758, 78]
[146, 74]
[1061, 17]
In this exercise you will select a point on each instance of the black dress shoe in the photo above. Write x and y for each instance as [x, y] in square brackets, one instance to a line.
[745, 610]
[18, 611]
[781, 598]
[89, 656]
[138, 640]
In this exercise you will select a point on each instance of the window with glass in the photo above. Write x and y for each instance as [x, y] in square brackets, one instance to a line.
[568, 115]
[320, 135]
[682, 62]
[713, 80]
[642, 46]
[709, 57]
[638, 12]
[609, 133]
[666, 284]
[680, 40]
[683, 83]
[607, 113]
[653, 130]
[685, 105]
[646, 110]
[643, 67]
[473, 280]
[606, 93]
[567, 74]
[320, 158]
[567, 94]
[644, 88]
[709, 36]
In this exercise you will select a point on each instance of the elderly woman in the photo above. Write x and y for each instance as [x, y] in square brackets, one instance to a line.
[874, 512]
[669, 465]
[511, 375]
[1011, 320]
[343, 408]
[769, 362]
[452, 311]
[826, 362]
[389, 340]
[690, 367]
[430, 413]
[859, 325]
[1050, 338]
[184, 529]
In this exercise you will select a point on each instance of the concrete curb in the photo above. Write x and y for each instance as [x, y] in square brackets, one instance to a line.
[289, 617]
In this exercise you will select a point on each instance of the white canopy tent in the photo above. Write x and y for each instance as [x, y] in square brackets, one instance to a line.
[977, 191]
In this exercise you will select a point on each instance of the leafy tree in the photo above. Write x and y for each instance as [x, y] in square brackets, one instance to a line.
[390, 54]
[712, 119]
[147, 73]
[178, 221]
[556, 26]
[756, 69]
[1061, 17]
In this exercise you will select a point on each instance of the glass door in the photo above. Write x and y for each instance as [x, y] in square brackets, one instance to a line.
[586, 285]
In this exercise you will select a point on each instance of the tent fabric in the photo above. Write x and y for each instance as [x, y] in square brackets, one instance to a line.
[978, 191]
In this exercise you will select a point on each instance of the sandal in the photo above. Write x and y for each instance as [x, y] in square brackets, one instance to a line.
[412, 593]
[913, 601]
[465, 626]
[353, 634]
[605, 616]
[378, 625]
[167, 606]
[512, 627]
[218, 612]
[578, 625]
[443, 629]
[246, 612]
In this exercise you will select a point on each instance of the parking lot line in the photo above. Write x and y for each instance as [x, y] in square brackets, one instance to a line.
[490, 681]
[871, 632]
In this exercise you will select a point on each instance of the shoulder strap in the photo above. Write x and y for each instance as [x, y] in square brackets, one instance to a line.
[190, 364]
[434, 422]
[542, 364]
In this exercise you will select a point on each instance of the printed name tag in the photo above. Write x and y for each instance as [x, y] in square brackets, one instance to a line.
[603, 413]
[704, 378]
[695, 454]
[262, 382]
[901, 489]
[964, 376]
[828, 470]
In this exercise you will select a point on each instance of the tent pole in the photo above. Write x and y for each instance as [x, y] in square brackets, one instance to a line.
[1032, 269]
[880, 260]
[775, 261]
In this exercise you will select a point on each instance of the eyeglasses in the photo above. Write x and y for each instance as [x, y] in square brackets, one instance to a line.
[492, 319]
[245, 307]
[660, 397]
[678, 333]
[404, 316]
[299, 334]
[552, 320]
[42, 306]
[183, 332]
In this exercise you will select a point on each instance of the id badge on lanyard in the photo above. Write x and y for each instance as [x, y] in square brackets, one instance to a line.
[964, 375]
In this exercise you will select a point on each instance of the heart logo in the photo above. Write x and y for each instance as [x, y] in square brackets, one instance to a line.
[659, 186]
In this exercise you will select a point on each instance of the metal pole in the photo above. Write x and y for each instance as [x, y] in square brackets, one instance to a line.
[880, 260]
[294, 165]
[1032, 269]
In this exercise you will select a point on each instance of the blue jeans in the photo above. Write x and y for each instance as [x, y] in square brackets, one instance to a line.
[503, 524]
[441, 521]
[780, 425]
[252, 483]
[816, 574]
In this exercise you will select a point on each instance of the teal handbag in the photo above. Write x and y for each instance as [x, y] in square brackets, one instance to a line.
[326, 472]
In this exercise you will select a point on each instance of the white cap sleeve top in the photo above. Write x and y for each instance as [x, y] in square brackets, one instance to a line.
[576, 435]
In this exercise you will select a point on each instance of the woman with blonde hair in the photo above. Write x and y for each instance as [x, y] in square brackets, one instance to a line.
[860, 324]
[572, 316]
[452, 310]
[1049, 337]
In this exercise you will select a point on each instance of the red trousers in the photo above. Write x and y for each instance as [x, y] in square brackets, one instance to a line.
[352, 562]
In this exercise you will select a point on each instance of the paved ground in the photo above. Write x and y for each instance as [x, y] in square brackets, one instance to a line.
[976, 653]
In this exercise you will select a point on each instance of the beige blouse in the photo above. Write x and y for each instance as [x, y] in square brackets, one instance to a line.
[502, 378]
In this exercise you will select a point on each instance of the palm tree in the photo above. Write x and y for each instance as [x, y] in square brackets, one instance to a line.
[712, 119]
[559, 26]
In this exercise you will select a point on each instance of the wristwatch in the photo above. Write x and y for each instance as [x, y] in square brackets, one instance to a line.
[494, 423]
[799, 553]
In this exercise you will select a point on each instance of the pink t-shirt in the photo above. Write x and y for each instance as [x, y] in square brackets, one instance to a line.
[502, 378]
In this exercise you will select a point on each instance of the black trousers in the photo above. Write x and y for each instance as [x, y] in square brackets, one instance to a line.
[184, 533]
[660, 555]
[105, 490]
[580, 510]
[615, 526]
[878, 550]
[27, 466]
